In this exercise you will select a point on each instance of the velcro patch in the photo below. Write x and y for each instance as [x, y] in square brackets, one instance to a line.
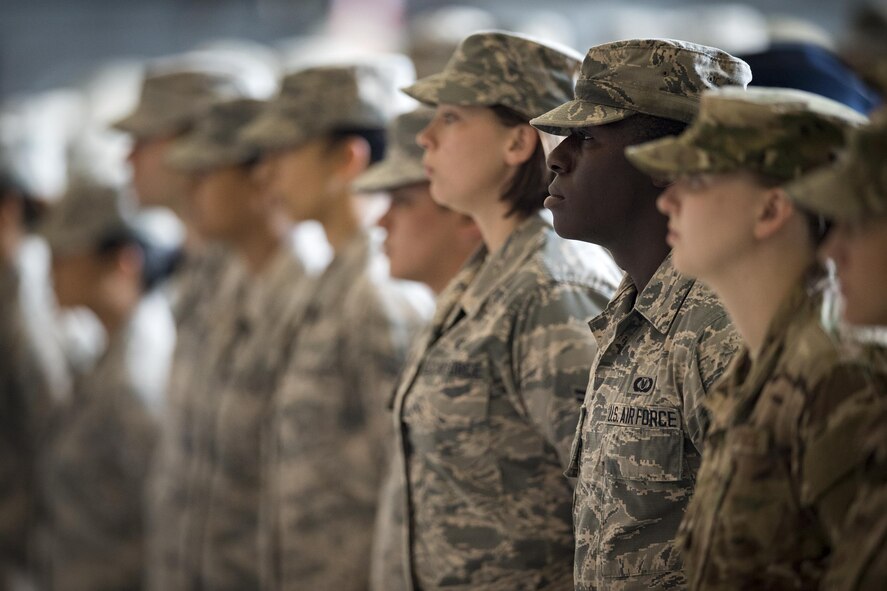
[660, 417]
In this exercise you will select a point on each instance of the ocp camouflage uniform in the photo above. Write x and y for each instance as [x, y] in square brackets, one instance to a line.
[329, 433]
[641, 430]
[772, 492]
[852, 191]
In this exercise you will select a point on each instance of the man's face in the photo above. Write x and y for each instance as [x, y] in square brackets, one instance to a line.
[224, 203]
[155, 183]
[596, 189]
[299, 178]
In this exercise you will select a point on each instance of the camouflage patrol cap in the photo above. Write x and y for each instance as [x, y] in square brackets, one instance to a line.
[90, 211]
[402, 164]
[778, 132]
[856, 186]
[659, 77]
[171, 101]
[498, 68]
[319, 100]
[214, 141]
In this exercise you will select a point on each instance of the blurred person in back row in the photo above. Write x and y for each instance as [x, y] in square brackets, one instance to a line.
[664, 339]
[781, 460]
[94, 463]
[425, 242]
[852, 194]
[486, 405]
[206, 496]
[327, 435]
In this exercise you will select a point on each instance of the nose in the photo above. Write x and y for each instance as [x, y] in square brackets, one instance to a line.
[667, 201]
[133, 151]
[385, 221]
[559, 161]
[262, 171]
[424, 137]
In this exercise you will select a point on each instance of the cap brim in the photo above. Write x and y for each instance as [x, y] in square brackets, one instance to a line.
[443, 87]
[669, 157]
[143, 125]
[824, 192]
[273, 131]
[578, 113]
[196, 156]
[390, 174]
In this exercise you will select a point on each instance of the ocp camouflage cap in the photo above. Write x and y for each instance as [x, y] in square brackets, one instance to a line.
[778, 132]
[402, 164]
[856, 186]
[498, 68]
[172, 101]
[320, 100]
[659, 77]
[90, 211]
[215, 140]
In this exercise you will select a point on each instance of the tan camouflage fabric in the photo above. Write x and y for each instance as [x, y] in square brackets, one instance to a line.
[89, 211]
[498, 68]
[659, 77]
[214, 140]
[319, 100]
[485, 410]
[170, 102]
[205, 298]
[95, 464]
[856, 187]
[778, 132]
[329, 433]
[642, 426]
[782, 458]
[402, 164]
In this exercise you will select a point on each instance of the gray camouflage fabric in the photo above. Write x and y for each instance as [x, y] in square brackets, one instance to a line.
[640, 436]
[778, 132]
[402, 165]
[94, 465]
[316, 101]
[485, 411]
[782, 458]
[328, 435]
[498, 68]
[856, 187]
[170, 102]
[659, 77]
[214, 141]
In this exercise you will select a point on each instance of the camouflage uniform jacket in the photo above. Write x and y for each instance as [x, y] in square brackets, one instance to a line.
[224, 508]
[94, 467]
[323, 456]
[781, 459]
[485, 412]
[204, 336]
[859, 561]
[638, 443]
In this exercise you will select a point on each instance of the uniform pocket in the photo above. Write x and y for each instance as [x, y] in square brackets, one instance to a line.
[643, 443]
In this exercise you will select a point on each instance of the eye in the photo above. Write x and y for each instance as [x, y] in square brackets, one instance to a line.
[584, 135]
[448, 116]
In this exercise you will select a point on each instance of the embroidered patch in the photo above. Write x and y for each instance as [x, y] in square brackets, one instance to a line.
[643, 416]
[642, 384]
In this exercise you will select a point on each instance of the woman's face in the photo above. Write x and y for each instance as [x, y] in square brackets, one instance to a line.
[465, 157]
[224, 203]
[300, 178]
[859, 250]
[710, 220]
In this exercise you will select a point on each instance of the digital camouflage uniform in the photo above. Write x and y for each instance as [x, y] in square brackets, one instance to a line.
[323, 456]
[640, 436]
[771, 495]
[853, 190]
[94, 463]
[487, 403]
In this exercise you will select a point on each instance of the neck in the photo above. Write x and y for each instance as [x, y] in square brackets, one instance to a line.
[753, 290]
[494, 226]
[340, 221]
[445, 271]
[642, 250]
[258, 247]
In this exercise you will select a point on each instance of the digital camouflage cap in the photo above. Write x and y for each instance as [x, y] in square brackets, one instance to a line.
[778, 132]
[90, 211]
[498, 68]
[171, 101]
[402, 164]
[215, 140]
[320, 100]
[659, 77]
[856, 186]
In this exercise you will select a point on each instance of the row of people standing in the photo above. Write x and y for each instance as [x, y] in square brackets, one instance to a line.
[705, 371]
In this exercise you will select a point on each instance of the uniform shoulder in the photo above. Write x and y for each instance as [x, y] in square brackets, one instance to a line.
[702, 311]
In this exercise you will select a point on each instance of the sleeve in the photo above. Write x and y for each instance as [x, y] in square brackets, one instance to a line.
[553, 350]
[714, 349]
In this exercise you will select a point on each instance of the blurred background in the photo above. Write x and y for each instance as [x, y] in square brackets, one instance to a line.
[67, 67]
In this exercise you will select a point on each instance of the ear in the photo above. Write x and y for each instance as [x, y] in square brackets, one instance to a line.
[520, 144]
[352, 158]
[129, 261]
[774, 210]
